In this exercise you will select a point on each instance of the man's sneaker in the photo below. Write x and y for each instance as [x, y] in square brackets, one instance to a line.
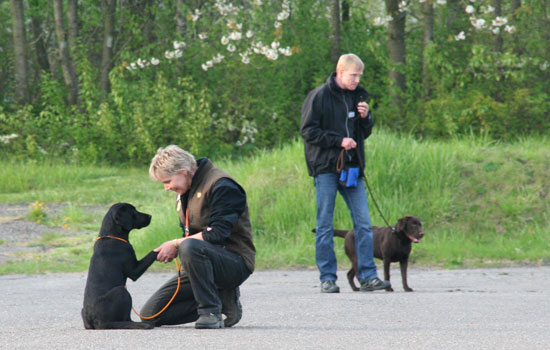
[209, 321]
[231, 306]
[374, 284]
[329, 287]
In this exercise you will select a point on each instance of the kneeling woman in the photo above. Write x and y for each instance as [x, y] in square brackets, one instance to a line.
[216, 250]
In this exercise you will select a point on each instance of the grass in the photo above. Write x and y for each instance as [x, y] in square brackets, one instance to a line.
[482, 203]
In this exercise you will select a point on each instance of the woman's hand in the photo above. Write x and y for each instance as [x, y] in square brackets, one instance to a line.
[167, 251]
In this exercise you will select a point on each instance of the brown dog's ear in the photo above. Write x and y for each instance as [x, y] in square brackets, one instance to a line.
[401, 223]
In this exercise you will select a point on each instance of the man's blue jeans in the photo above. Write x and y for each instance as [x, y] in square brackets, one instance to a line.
[326, 186]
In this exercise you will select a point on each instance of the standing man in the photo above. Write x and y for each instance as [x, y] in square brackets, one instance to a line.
[335, 122]
[216, 249]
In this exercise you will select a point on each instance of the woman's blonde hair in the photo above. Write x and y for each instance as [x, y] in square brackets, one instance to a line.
[348, 61]
[169, 161]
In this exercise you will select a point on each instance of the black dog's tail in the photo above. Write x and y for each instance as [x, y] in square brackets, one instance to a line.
[339, 233]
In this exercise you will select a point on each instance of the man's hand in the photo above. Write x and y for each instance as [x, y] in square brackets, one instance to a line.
[363, 109]
[348, 143]
[167, 251]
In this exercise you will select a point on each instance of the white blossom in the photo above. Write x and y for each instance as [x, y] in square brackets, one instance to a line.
[478, 23]
[154, 61]
[231, 48]
[235, 36]
[460, 36]
[489, 9]
[225, 40]
[195, 16]
[277, 24]
[286, 51]
[140, 63]
[442, 2]
[470, 9]
[249, 34]
[500, 21]
[283, 15]
[169, 55]
[6, 138]
[203, 36]
[218, 58]
[496, 30]
[179, 45]
[510, 29]
[544, 66]
[244, 58]
[379, 21]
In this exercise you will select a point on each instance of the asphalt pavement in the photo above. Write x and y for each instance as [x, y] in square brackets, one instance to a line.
[500, 308]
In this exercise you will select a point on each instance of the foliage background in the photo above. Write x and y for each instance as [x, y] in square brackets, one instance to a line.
[234, 108]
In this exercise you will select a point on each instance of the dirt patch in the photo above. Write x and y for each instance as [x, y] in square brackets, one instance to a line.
[17, 234]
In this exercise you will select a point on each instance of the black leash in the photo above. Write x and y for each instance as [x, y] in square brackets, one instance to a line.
[340, 166]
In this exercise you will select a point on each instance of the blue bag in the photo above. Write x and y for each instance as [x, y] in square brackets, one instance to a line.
[349, 176]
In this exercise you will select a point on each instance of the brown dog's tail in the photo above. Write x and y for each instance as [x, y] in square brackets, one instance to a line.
[339, 233]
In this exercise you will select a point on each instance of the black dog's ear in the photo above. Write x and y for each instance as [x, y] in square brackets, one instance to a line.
[123, 217]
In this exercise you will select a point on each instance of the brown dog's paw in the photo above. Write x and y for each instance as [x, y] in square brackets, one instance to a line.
[390, 289]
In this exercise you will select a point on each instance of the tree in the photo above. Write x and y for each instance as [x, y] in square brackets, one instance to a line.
[20, 52]
[397, 53]
[109, 7]
[69, 71]
[428, 23]
[335, 35]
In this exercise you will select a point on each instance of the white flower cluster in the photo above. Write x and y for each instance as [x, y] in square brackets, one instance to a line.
[224, 8]
[271, 52]
[210, 63]
[248, 130]
[382, 21]
[230, 40]
[284, 14]
[460, 36]
[195, 16]
[7, 138]
[177, 53]
[480, 23]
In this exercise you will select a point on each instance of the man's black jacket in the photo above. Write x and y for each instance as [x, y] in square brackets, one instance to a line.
[325, 123]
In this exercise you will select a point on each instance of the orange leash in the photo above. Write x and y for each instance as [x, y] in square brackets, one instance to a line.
[170, 302]
[173, 296]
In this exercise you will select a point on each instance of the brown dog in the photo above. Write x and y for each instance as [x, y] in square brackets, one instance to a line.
[390, 245]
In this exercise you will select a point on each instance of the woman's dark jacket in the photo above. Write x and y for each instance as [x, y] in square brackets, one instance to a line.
[325, 123]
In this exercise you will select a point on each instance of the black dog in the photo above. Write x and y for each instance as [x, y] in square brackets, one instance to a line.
[390, 245]
[107, 303]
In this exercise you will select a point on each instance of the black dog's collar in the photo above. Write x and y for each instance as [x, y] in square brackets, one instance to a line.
[113, 237]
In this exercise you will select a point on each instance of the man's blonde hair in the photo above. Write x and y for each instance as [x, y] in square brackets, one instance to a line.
[348, 61]
[169, 161]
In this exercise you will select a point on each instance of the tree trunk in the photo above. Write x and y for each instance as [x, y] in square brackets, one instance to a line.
[335, 31]
[39, 44]
[109, 7]
[20, 52]
[345, 10]
[69, 74]
[397, 54]
[428, 11]
[498, 40]
[72, 22]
